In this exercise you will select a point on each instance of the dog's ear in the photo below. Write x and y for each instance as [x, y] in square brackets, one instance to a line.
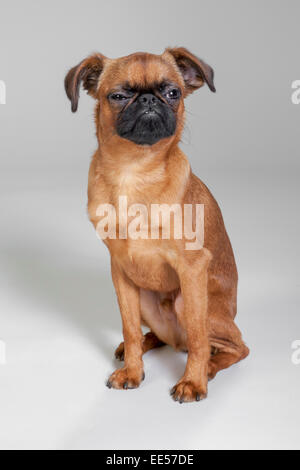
[194, 71]
[86, 72]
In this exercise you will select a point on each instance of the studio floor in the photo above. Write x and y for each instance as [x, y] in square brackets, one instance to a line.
[60, 324]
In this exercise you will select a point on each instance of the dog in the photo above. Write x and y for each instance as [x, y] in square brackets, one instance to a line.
[187, 298]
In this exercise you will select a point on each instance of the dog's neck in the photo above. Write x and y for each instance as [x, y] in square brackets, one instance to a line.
[133, 171]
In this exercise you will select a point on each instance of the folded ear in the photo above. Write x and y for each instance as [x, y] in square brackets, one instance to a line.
[194, 71]
[88, 72]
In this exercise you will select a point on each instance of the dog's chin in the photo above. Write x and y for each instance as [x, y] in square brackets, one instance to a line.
[148, 129]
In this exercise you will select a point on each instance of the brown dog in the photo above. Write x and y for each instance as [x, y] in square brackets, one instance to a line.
[187, 298]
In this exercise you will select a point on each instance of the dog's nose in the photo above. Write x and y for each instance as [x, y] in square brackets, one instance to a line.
[147, 99]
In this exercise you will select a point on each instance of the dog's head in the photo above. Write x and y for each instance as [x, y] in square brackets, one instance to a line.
[140, 97]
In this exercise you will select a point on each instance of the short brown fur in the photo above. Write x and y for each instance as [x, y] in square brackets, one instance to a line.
[186, 298]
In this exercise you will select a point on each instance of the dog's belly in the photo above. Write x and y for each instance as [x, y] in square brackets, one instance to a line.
[163, 314]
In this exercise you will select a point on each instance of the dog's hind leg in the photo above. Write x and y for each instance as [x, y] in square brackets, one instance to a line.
[226, 341]
[151, 341]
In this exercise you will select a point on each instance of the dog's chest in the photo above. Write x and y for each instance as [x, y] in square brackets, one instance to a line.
[129, 200]
[144, 264]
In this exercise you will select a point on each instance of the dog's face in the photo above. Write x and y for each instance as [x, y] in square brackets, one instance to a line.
[140, 97]
[146, 114]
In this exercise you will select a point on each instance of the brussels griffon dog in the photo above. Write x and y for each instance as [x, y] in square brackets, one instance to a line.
[186, 297]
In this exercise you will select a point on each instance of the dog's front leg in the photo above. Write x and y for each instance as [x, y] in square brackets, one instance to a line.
[131, 375]
[193, 282]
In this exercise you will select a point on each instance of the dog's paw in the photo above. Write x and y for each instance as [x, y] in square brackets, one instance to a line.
[123, 379]
[187, 391]
[119, 352]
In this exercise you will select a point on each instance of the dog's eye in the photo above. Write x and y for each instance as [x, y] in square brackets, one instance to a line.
[173, 94]
[118, 97]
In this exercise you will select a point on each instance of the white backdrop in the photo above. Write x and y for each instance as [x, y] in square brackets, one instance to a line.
[58, 313]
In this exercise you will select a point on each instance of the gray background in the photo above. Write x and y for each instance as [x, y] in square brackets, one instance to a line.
[59, 316]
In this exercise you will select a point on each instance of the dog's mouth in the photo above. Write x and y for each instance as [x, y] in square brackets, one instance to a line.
[148, 115]
[148, 129]
[151, 119]
[151, 113]
[146, 126]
